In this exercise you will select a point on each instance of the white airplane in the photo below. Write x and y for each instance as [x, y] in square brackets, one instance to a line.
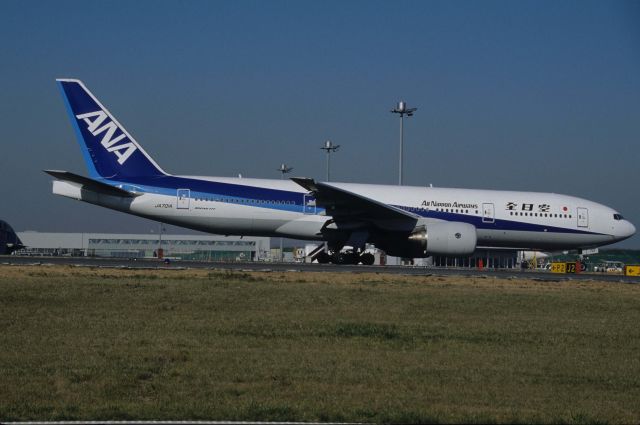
[405, 221]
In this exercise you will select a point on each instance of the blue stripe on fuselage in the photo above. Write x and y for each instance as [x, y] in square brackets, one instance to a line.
[284, 200]
[165, 183]
[498, 224]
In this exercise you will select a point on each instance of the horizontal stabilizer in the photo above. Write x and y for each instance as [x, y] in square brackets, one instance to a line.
[90, 184]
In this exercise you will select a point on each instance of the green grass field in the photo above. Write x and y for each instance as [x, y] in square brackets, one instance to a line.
[96, 344]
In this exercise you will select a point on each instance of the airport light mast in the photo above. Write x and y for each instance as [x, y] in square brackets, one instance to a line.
[160, 253]
[284, 169]
[402, 110]
[329, 147]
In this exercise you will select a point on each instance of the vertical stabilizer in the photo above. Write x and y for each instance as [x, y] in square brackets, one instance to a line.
[9, 241]
[108, 149]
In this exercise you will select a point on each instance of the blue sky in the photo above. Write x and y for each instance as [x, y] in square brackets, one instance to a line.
[541, 96]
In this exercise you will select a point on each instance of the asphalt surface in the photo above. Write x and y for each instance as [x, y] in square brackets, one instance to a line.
[306, 267]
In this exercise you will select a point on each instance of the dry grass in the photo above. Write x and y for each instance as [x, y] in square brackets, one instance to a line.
[80, 343]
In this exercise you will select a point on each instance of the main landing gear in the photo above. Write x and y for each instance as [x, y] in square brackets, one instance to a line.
[348, 257]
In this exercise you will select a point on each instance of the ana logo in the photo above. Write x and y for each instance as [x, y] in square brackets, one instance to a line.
[98, 122]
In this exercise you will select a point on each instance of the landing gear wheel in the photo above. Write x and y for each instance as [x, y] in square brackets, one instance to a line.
[346, 258]
[323, 258]
[367, 259]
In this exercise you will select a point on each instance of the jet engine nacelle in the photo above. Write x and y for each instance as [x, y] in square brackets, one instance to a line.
[447, 238]
[444, 238]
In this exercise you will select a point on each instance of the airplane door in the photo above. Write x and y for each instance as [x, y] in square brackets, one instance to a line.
[183, 199]
[583, 217]
[309, 204]
[488, 213]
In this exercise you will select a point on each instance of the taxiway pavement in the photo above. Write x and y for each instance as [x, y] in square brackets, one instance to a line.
[318, 268]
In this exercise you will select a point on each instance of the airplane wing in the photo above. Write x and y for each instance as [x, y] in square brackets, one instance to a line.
[343, 204]
[90, 184]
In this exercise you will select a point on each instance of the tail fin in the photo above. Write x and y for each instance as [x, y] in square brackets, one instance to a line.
[108, 149]
[9, 241]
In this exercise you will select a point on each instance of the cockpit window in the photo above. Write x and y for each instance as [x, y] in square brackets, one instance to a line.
[618, 217]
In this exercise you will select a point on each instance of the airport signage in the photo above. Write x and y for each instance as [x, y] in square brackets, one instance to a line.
[567, 268]
[632, 270]
[573, 268]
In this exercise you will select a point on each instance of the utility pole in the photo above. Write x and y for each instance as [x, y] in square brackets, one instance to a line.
[402, 110]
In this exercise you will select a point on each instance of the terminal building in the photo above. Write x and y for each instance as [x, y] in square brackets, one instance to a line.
[495, 258]
[185, 247]
[203, 247]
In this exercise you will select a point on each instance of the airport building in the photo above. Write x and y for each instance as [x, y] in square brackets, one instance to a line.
[220, 248]
[186, 247]
[482, 258]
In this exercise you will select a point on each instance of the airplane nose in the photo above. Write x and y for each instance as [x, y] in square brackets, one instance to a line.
[631, 230]
[625, 230]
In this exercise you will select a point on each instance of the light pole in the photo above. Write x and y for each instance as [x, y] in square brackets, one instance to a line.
[160, 252]
[329, 147]
[402, 110]
[284, 169]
